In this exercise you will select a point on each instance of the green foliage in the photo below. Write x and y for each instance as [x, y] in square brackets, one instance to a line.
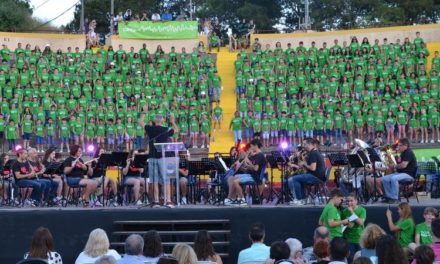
[325, 14]
[15, 15]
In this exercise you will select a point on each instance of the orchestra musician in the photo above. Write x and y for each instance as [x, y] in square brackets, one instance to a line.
[133, 176]
[75, 169]
[5, 172]
[50, 162]
[247, 169]
[315, 171]
[99, 176]
[50, 187]
[406, 169]
[26, 177]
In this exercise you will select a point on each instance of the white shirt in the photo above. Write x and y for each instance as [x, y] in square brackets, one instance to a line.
[83, 258]
[155, 17]
[52, 257]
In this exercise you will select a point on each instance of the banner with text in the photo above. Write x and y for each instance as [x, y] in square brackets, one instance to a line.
[158, 30]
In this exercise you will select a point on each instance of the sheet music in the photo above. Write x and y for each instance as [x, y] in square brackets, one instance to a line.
[353, 218]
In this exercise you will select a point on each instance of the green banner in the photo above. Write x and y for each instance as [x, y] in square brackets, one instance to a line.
[158, 30]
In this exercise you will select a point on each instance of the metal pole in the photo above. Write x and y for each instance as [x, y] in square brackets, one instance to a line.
[81, 22]
[190, 10]
[307, 15]
[112, 13]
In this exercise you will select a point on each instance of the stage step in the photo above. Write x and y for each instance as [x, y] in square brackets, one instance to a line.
[173, 232]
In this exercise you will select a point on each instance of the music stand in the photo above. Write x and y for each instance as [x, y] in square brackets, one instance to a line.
[165, 148]
[338, 160]
[356, 163]
[273, 164]
[374, 157]
[281, 158]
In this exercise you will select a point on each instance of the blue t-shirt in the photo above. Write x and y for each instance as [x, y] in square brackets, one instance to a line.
[257, 252]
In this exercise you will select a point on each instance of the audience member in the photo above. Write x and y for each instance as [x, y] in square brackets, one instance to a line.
[339, 250]
[295, 247]
[320, 233]
[404, 227]
[356, 226]
[279, 252]
[134, 245]
[368, 241]
[424, 255]
[184, 254]
[423, 230]
[42, 247]
[435, 232]
[204, 249]
[258, 251]
[167, 260]
[331, 217]
[155, 17]
[388, 251]
[97, 246]
[153, 248]
[362, 260]
[106, 260]
[321, 252]
[167, 16]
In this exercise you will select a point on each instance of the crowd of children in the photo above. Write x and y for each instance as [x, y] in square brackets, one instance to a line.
[337, 93]
[78, 97]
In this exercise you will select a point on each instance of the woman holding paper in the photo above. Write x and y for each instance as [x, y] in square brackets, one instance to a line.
[356, 216]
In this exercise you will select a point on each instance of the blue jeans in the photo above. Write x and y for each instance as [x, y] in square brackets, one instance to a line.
[391, 184]
[50, 188]
[37, 187]
[297, 182]
[237, 136]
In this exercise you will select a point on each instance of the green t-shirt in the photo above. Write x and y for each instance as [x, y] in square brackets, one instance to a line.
[27, 126]
[64, 130]
[11, 132]
[236, 124]
[407, 228]
[331, 212]
[353, 234]
[425, 234]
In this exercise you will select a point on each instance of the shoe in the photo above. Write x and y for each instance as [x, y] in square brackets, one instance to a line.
[195, 147]
[432, 140]
[207, 146]
[114, 203]
[297, 202]
[97, 203]
[169, 205]
[385, 200]
[183, 201]
[393, 201]
[241, 202]
[228, 202]
[139, 203]
[438, 140]
[203, 146]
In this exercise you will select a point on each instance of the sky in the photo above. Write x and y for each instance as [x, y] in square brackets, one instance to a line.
[46, 10]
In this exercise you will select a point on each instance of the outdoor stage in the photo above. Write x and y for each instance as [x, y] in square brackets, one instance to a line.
[71, 226]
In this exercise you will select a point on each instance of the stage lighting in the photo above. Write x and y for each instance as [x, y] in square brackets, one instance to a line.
[284, 145]
[242, 146]
[90, 148]
[18, 147]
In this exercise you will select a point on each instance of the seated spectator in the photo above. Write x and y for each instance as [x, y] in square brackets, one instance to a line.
[204, 248]
[423, 255]
[423, 230]
[256, 46]
[320, 233]
[258, 250]
[363, 260]
[106, 260]
[167, 16]
[134, 245]
[184, 254]
[167, 260]
[128, 15]
[280, 252]
[339, 251]
[144, 16]
[321, 252]
[155, 17]
[153, 248]
[368, 241]
[435, 232]
[388, 251]
[42, 247]
[97, 246]
[295, 250]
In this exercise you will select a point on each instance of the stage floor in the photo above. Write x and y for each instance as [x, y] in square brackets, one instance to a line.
[71, 226]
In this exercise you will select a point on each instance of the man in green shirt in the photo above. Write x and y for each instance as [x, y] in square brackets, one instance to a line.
[214, 41]
[331, 216]
[11, 134]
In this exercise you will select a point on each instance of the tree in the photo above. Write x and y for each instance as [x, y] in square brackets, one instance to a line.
[15, 15]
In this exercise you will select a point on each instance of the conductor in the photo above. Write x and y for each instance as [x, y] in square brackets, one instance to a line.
[158, 132]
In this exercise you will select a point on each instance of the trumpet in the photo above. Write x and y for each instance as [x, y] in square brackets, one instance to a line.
[387, 156]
